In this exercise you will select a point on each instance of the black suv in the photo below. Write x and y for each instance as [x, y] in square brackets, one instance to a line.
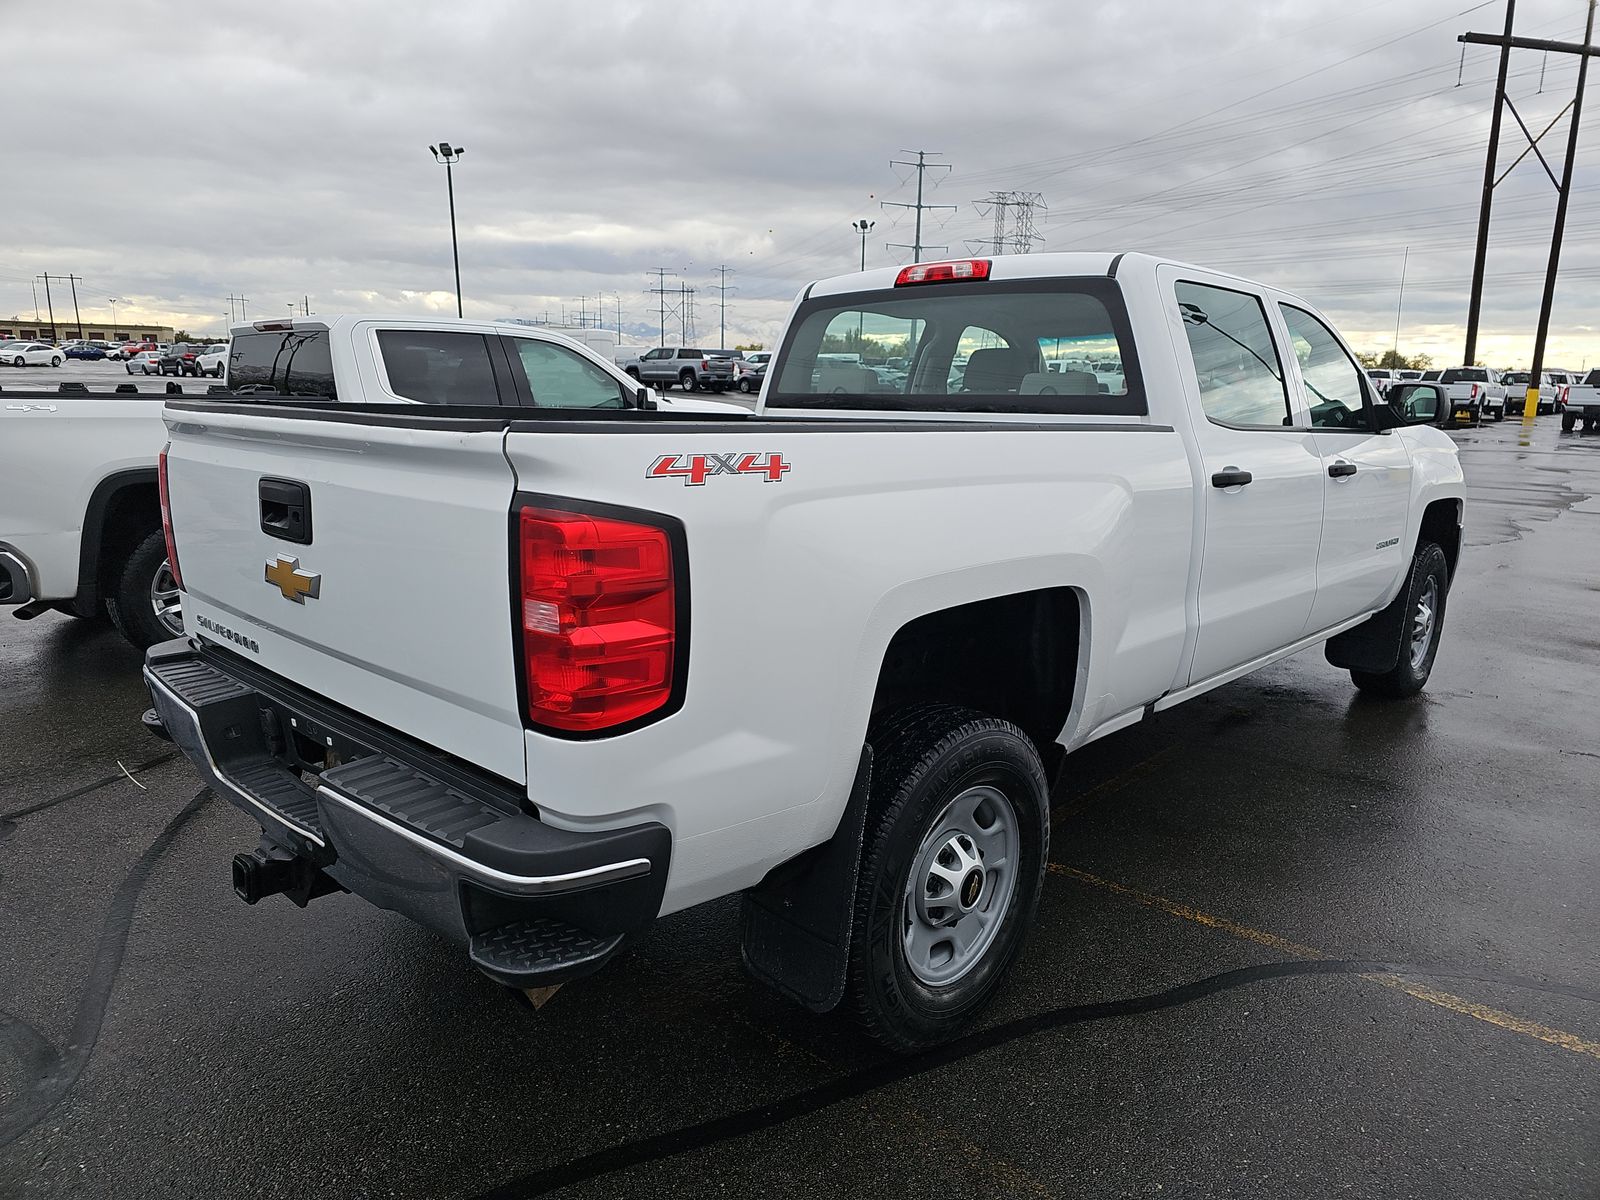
[180, 358]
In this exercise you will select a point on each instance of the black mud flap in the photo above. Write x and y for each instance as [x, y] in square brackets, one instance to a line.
[1374, 645]
[794, 926]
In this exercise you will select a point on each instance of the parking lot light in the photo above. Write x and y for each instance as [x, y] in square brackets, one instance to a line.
[450, 155]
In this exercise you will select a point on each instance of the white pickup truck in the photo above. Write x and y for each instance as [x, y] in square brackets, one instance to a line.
[1580, 403]
[80, 516]
[1475, 392]
[536, 678]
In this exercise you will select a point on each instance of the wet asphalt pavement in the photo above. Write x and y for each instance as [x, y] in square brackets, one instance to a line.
[1293, 943]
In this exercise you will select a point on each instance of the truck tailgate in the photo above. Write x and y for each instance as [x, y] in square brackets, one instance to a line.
[396, 605]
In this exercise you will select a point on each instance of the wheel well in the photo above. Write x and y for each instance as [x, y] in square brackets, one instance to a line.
[1441, 524]
[1014, 656]
[121, 515]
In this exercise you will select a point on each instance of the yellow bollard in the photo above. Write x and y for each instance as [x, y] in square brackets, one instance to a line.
[1531, 408]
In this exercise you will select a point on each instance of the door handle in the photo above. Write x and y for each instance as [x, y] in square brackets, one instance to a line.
[1230, 477]
[1340, 469]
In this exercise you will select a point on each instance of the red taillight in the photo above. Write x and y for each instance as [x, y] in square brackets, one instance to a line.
[599, 618]
[1474, 391]
[1563, 395]
[166, 519]
[958, 271]
[705, 365]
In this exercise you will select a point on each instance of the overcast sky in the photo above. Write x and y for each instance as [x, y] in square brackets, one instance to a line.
[280, 150]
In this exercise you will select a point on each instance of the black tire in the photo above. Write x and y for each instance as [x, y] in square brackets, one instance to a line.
[744, 386]
[1568, 420]
[632, 373]
[20, 362]
[925, 757]
[1499, 414]
[689, 382]
[129, 605]
[1409, 675]
[55, 361]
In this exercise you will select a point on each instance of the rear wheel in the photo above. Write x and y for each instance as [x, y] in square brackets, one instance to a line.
[956, 844]
[744, 386]
[145, 604]
[1426, 588]
[687, 379]
[1568, 420]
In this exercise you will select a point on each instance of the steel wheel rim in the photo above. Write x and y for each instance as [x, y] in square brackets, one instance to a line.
[167, 600]
[1423, 619]
[963, 879]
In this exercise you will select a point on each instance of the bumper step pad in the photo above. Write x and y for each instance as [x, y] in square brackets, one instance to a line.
[425, 804]
[539, 951]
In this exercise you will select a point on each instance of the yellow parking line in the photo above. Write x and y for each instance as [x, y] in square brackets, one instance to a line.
[1469, 1008]
[1505, 1020]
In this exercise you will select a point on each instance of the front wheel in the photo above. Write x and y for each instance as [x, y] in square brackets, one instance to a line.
[958, 834]
[55, 362]
[1426, 588]
[19, 361]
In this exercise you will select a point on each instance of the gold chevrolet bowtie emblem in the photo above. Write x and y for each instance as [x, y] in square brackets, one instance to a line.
[295, 584]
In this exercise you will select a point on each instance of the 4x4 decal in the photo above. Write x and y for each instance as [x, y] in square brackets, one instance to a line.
[695, 469]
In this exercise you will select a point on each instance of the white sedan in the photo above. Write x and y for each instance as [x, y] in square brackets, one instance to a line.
[144, 362]
[31, 354]
[214, 361]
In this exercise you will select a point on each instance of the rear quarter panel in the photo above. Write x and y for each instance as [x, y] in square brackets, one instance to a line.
[797, 587]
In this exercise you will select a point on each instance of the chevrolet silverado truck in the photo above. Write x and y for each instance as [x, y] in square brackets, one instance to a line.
[1580, 404]
[80, 516]
[536, 678]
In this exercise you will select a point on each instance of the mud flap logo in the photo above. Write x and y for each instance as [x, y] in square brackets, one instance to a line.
[695, 469]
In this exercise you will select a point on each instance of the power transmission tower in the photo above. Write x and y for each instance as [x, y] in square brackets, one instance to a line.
[242, 301]
[1563, 187]
[723, 289]
[923, 166]
[1023, 234]
[660, 291]
[686, 313]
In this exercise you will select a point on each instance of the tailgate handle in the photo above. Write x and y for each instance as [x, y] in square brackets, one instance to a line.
[286, 510]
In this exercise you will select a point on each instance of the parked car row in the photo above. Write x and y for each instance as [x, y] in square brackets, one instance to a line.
[181, 358]
[198, 359]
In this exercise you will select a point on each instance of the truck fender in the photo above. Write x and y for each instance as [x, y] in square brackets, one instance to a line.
[795, 925]
[96, 516]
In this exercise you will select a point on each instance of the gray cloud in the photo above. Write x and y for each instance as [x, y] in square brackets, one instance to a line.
[286, 154]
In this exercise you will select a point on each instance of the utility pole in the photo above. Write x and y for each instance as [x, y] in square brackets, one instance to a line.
[76, 316]
[306, 303]
[1585, 52]
[723, 289]
[49, 306]
[231, 298]
[660, 291]
[1400, 303]
[34, 283]
[1475, 301]
[617, 300]
[923, 166]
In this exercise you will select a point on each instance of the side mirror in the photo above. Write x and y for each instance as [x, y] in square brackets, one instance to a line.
[643, 397]
[1417, 403]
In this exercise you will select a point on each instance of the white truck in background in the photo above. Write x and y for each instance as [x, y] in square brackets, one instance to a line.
[80, 514]
[1580, 404]
[1474, 392]
[536, 677]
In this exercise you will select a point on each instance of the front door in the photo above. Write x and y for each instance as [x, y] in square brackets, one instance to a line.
[1261, 483]
[1366, 479]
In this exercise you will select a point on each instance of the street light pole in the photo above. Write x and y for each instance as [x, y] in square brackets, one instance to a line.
[115, 300]
[450, 155]
[863, 227]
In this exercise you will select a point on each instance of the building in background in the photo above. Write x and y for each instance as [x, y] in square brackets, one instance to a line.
[29, 329]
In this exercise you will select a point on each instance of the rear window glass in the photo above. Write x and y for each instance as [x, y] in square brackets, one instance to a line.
[435, 367]
[1025, 346]
[292, 362]
[1465, 375]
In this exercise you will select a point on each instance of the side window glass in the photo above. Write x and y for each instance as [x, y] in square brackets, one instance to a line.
[558, 378]
[1235, 362]
[1333, 382]
[433, 367]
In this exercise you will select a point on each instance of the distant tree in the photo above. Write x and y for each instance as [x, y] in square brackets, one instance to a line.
[181, 336]
[1395, 361]
[750, 346]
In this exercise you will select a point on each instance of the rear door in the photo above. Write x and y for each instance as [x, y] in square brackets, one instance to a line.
[1262, 476]
[1366, 476]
